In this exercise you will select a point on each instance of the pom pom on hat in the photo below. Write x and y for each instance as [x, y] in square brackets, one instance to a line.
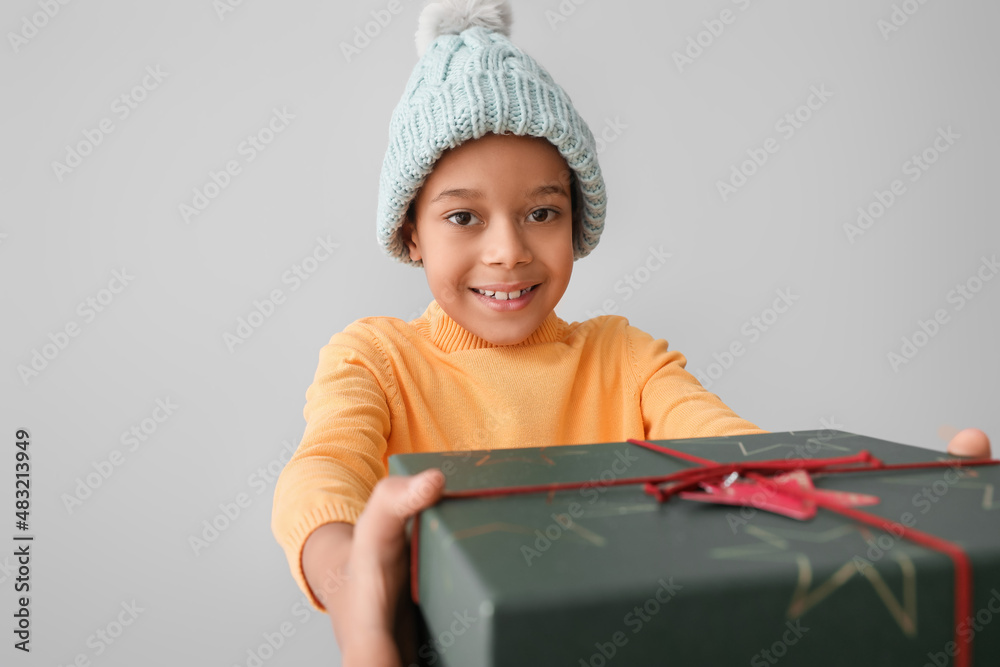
[451, 17]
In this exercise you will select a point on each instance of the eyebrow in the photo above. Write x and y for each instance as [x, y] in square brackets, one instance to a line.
[468, 193]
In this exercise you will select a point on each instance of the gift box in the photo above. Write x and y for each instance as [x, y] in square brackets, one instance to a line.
[803, 548]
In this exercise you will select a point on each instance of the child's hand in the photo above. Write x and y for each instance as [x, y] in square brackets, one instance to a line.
[970, 442]
[378, 569]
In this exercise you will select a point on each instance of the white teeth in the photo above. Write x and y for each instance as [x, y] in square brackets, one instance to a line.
[504, 296]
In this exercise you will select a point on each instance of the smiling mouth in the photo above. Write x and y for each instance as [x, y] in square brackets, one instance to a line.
[504, 296]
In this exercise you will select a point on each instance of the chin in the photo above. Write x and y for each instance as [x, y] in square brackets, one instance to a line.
[505, 338]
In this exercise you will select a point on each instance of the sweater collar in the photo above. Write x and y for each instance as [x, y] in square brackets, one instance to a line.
[449, 336]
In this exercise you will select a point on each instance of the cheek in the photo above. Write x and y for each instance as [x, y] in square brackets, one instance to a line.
[566, 248]
[558, 257]
[445, 271]
[566, 270]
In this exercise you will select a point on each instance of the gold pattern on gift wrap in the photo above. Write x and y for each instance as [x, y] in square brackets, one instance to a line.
[485, 460]
[820, 444]
[904, 614]
[586, 534]
[988, 502]
[502, 527]
[903, 618]
[775, 548]
[814, 443]
[496, 527]
[618, 510]
[505, 455]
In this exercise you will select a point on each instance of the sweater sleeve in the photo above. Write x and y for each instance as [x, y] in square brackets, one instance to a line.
[673, 403]
[340, 458]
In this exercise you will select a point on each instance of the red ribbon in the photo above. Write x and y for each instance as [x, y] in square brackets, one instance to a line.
[709, 472]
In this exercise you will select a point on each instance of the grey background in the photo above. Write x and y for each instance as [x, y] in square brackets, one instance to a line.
[823, 363]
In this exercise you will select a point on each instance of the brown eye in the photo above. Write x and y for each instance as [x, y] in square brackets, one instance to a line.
[550, 213]
[464, 223]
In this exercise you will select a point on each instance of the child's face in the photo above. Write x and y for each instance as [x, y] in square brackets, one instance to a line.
[495, 213]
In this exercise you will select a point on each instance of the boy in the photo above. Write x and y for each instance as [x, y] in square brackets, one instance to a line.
[491, 184]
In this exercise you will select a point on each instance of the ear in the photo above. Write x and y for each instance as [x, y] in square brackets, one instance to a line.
[408, 230]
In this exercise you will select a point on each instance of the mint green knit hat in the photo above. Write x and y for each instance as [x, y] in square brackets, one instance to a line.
[470, 80]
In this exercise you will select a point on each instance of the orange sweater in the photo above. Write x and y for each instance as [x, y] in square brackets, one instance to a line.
[385, 386]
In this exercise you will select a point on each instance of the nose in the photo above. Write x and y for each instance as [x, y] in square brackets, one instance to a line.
[506, 244]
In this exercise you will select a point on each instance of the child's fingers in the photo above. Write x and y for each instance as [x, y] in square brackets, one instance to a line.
[423, 490]
[397, 498]
[970, 442]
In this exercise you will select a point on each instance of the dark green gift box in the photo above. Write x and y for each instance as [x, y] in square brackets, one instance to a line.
[607, 575]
